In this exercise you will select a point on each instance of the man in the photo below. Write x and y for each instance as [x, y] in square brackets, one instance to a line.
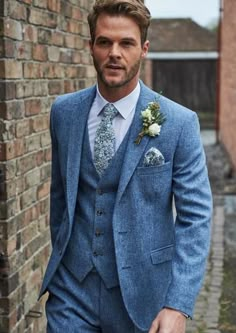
[120, 153]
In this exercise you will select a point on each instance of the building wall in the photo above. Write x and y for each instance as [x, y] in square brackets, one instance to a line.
[43, 53]
[227, 118]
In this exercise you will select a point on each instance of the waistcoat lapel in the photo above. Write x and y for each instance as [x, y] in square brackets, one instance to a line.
[78, 124]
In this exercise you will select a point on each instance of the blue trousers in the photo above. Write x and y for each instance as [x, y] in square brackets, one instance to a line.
[87, 307]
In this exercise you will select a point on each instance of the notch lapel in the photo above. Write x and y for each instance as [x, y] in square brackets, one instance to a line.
[134, 151]
[78, 125]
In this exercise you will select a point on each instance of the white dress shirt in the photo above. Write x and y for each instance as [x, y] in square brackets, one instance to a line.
[121, 123]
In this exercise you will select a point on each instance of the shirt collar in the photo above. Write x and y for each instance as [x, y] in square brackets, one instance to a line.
[124, 105]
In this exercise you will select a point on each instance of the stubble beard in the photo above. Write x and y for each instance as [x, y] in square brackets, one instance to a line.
[127, 77]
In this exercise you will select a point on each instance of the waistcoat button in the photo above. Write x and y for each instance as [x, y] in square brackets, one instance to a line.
[99, 212]
[98, 233]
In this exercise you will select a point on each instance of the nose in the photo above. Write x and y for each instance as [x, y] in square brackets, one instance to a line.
[115, 51]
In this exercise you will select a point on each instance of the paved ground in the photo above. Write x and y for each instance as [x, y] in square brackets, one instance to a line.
[215, 310]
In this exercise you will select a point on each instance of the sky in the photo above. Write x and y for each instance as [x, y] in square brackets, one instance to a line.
[201, 11]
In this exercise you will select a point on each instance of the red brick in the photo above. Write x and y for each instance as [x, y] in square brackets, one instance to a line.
[45, 139]
[54, 53]
[55, 87]
[66, 9]
[76, 57]
[39, 158]
[53, 71]
[24, 50]
[228, 80]
[7, 130]
[30, 33]
[17, 11]
[66, 56]
[39, 123]
[7, 90]
[10, 48]
[45, 172]
[32, 143]
[44, 36]
[33, 70]
[22, 128]
[13, 29]
[57, 38]
[42, 18]
[11, 246]
[76, 13]
[72, 72]
[32, 107]
[70, 41]
[10, 69]
[40, 52]
[69, 86]
[14, 110]
[11, 149]
[54, 5]
[43, 190]
[74, 27]
[44, 206]
[48, 156]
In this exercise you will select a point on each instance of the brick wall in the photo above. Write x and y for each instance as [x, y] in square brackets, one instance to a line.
[43, 53]
[228, 80]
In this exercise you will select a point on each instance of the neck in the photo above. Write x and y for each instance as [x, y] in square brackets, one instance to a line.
[113, 94]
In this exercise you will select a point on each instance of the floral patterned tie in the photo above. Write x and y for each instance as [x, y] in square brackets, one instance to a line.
[105, 141]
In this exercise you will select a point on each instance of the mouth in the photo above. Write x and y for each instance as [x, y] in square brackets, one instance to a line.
[114, 67]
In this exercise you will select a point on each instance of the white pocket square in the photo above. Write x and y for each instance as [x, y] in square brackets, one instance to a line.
[153, 157]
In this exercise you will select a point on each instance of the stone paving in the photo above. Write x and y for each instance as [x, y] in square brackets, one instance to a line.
[208, 311]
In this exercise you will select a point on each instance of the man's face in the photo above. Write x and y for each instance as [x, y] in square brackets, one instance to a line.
[117, 53]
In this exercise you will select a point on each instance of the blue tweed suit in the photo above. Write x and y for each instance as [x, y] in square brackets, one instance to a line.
[160, 261]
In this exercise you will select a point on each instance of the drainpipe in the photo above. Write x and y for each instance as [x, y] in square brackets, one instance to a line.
[218, 80]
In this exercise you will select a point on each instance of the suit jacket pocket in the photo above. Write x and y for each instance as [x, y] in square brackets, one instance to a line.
[163, 254]
[149, 170]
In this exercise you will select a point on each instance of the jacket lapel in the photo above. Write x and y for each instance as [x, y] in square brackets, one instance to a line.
[78, 125]
[134, 151]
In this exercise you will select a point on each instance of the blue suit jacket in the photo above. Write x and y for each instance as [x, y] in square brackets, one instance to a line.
[160, 261]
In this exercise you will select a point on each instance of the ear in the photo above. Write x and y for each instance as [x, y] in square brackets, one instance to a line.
[145, 48]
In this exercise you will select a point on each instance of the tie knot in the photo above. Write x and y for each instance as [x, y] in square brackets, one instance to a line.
[109, 111]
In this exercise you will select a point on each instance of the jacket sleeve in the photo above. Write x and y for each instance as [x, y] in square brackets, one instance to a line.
[57, 194]
[193, 202]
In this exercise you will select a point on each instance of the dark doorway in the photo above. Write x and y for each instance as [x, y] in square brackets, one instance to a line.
[191, 83]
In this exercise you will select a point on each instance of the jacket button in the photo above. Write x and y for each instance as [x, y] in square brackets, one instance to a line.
[96, 254]
[99, 213]
[99, 191]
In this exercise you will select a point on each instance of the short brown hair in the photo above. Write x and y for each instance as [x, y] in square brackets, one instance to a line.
[131, 8]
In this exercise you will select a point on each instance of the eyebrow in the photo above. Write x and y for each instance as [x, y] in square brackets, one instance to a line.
[129, 39]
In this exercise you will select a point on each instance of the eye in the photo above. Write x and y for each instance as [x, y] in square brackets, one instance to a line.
[127, 43]
[103, 42]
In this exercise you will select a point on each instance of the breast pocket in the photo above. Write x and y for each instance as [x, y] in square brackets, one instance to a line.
[152, 170]
[154, 180]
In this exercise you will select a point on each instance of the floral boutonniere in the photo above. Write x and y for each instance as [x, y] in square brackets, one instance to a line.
[152, 121]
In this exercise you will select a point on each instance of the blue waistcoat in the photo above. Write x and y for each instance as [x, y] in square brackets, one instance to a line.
[91, 244]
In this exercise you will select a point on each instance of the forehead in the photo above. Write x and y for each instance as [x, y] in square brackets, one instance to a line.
[109, 25]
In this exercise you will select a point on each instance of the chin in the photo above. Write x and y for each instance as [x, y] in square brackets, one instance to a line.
[113, 84]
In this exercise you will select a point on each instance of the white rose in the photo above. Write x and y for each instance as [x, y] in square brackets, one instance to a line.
[147, 114]
[154, 130]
